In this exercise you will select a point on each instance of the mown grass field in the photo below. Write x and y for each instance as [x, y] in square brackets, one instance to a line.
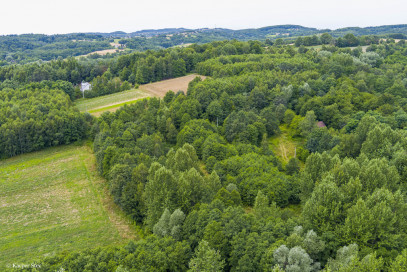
[110, 102]
[53, 200]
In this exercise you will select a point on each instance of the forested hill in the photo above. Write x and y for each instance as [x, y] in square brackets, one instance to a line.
[32, 47]
[263, 32]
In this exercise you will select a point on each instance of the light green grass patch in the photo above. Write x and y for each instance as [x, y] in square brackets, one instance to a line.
[115, 106]
[284, 145]
[53, 200]
[90, 104]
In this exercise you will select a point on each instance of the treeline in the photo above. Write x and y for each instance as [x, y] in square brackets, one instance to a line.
[38, 116]
[164, 64]
[106, 84]
[348, 40]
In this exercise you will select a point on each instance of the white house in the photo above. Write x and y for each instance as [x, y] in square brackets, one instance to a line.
[85, 86]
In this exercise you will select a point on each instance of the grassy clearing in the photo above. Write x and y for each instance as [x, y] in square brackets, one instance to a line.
[53, 200]
[112, 100]
[284, 145]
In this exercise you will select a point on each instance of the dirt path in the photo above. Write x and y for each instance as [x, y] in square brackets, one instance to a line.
[283, 152]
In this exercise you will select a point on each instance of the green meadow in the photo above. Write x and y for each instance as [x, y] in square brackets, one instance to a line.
[53, 201]
[107, 102]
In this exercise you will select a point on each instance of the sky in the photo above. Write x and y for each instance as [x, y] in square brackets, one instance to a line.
[68, 16]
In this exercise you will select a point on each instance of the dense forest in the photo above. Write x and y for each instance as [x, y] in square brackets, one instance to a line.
[196, 170]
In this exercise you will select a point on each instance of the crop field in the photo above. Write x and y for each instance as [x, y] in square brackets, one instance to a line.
[176, 84]
[111, 102]
[53, 200]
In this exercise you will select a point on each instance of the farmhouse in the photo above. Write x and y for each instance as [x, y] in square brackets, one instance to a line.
[85, 86]
[118, 45]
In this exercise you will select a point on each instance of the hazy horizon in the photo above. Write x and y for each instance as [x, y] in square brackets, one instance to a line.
[79, 16]
[203, 27]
